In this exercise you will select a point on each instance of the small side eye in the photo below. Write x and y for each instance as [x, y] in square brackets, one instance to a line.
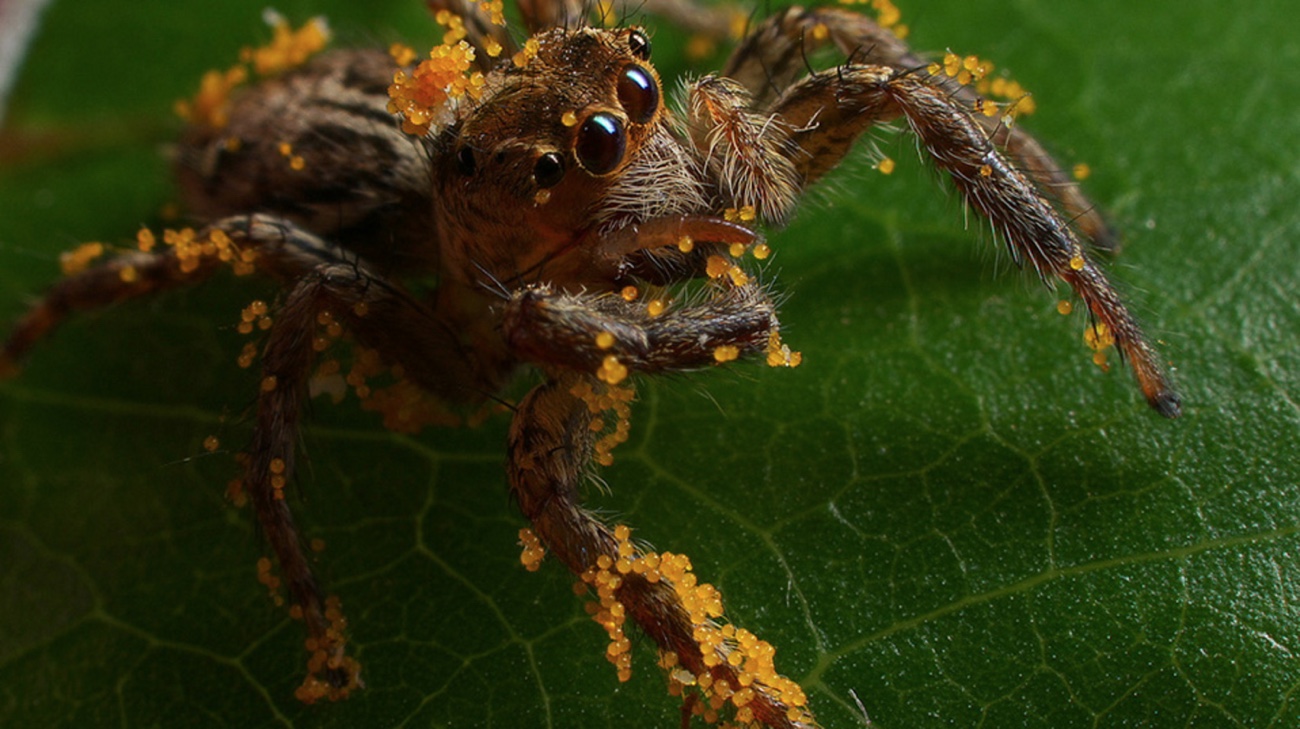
[549, 170]
[601, 143]
[465, 162]
[639, 44]
[638, 93]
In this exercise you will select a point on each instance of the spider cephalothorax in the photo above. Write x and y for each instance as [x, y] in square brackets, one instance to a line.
[507, 204]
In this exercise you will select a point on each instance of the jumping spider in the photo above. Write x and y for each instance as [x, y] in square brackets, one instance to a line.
[557, 204]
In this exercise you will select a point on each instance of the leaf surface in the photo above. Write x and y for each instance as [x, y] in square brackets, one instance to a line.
[946, 517]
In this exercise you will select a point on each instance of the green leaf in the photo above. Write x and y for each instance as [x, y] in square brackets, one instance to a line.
[946, 517]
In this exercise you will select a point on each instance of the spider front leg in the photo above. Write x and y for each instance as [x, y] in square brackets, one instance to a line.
[556, 434]
[766, 159]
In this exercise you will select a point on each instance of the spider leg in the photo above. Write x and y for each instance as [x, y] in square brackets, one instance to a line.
[582, 331]
[551, 445]
[775, 55]
[765, 160]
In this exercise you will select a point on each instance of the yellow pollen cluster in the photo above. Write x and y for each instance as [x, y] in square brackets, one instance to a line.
[406, 407]
[726, 353]
[531, 558]
[367, 364]
[247, 355]
[495, 10]
[288, 48]
[611, 370]
[699, 47]
[607, 403]
[608, 612]
[887, 15]
[255, 312]
[145, 240]
[1077, 262]
[1081, 171]
[327, 654]
[422, 96]
[726, 649]
[604, 340]
[211, 443]
[629, 293]
[685, 244]
[211, 104]
[296, 162]
[268, 578]
[1099, 338]
[655, 308]
[1064, 307]
[762, 251]
[968, 70]
[191, 250]
[78, 259]
[886, 166]
[527, 53]
[716, 267]
[743, 214]
[402, 54]
[779, 353]
[569, 119]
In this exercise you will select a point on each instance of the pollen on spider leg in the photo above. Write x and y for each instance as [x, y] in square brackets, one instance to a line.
[610, 403]
[728, 652]
[531, 557]
[270, 580]
[779, 353]
[79, 259]
[1099, 338]
[327, 653]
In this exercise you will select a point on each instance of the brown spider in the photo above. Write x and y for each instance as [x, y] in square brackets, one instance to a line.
[556, 203]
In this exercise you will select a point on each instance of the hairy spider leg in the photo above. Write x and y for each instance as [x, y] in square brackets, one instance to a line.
[581, 331]
[767, 159]
[551, 448]
[775, 56]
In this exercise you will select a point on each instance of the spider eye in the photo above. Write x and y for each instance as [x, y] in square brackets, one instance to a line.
[601, 143]
[639, 44]
[465, 162]
[638, 93]
[549, 170]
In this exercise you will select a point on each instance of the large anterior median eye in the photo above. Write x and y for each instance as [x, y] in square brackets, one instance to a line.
[638, 93]
[601, 143]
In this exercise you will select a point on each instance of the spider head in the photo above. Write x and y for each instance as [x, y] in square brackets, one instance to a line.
[557, 128]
